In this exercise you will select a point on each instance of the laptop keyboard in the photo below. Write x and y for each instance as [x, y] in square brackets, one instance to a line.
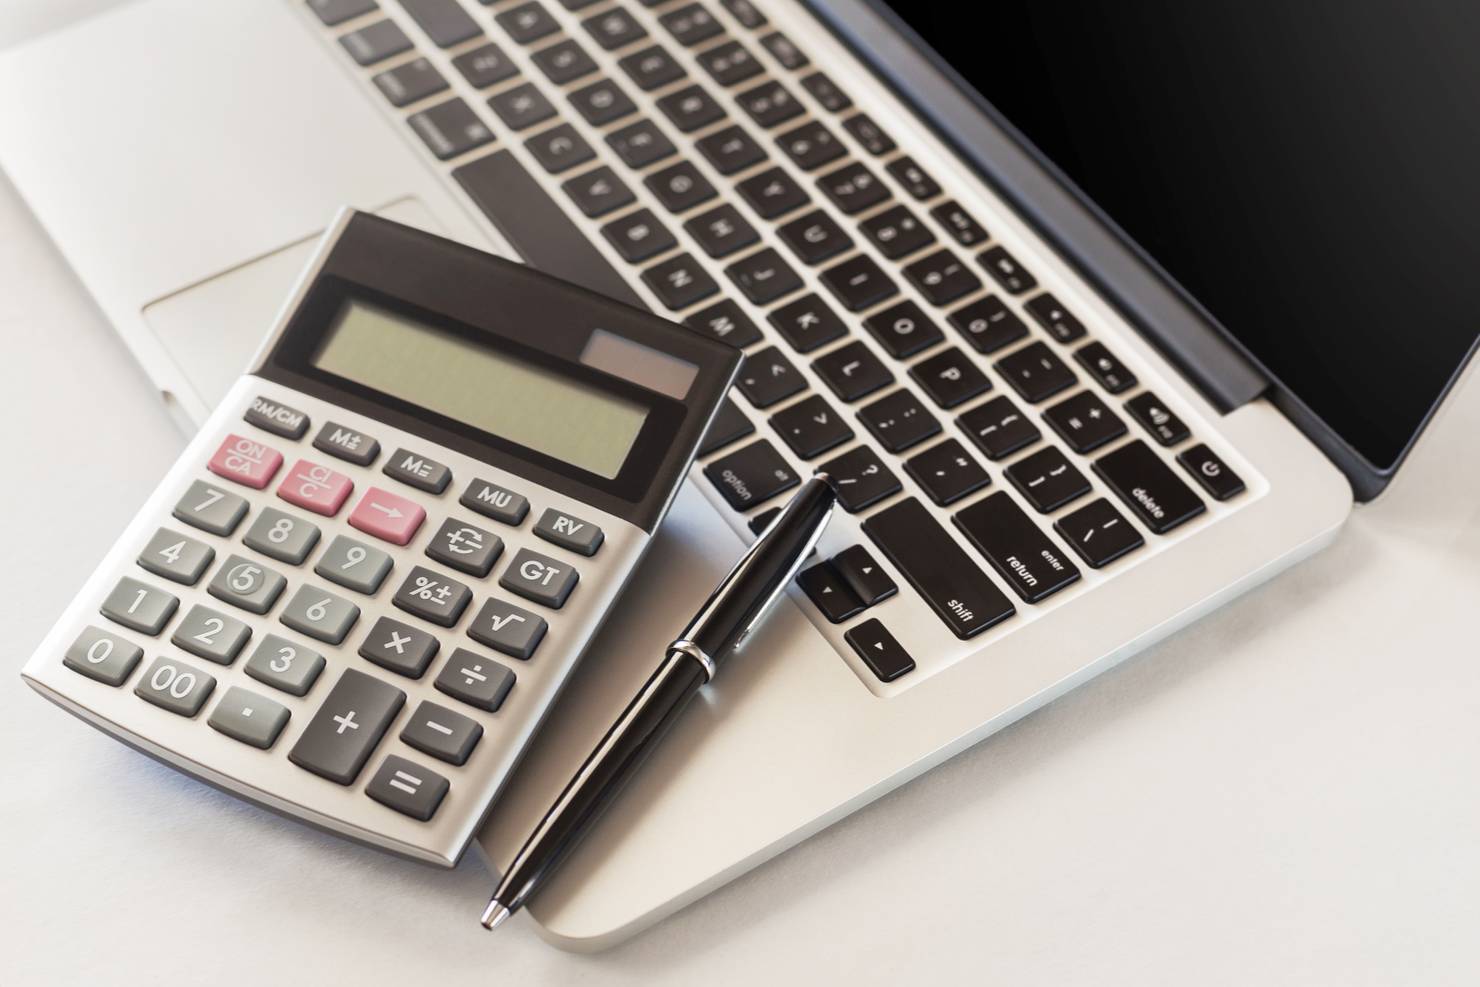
[949, 378]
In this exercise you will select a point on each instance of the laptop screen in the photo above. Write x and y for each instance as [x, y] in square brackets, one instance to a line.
[1308, 171]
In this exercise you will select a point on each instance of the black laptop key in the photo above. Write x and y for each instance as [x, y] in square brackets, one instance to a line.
[942, 277]
[811, 427]
[527, 22]
[864, 576]
[1058, 321]
[1105, 368]
[725, 321]
[896, 232]
[883, 655]
[680, 281]
[946, 472]
[769, 104]
[1098, 533]
[598, 192]
[450, 129]
[860, 478]
[1149, 487]
[730, 150]
[571, 4]
[409, 82]
[1047, 480]
[729, 425]
[721, 231]
[828, 592]
[750, 475]
[781, 49]
[772, 193]
[998, 428]
[1006, 271]
[1155, 417]
[767, 377]
[691, 108]
[1016, 547]
[859, 283]
[807, 323]
[938, 568]
[853, 188]
[485, 65]
[1084, 422]
[764, 276]
[950, 378]
[903, 329]
[826, 92]
[1035, 372]
[651, 67]
[559, 149]
[815, 237]
[899, 420]
[915, 180]
[444, 21]
[538, 228]
[729, 63]
[602, 102]
[810, 146]
[680, 187]
[988, 324]
[614, 28]
[852, 371]
[1213, 473]
[745, 12]
[868, 134]
[375, 42]
[959, 224]
[690, 24]
[565, 61]
[521, 106]
[333, 12]
[638, 236]
[640, 144]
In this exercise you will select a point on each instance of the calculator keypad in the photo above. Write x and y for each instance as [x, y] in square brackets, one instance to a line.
[443, 733]
[209, 508]
[432, 596]
[315, 487]
[387, 516]
[279, 535]
[285, 665]
[209, 634]
[251, 718]
[465, 547]
[492, 500]
[403, 649]
[354, 564]
[507, 628]
[247, 584]
[176, 557]
[173, 685]
[475, 680]
[139, 607]
[539, 578]
[408, 788]
[320, 614]
[105, 657]
[338, 740]
[246, 461]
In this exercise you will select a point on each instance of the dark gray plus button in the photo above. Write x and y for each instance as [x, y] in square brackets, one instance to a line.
[250, 718]
[475, 680]
[569, 532]
[492, 500]
[404, 649]
[139, 606]
[417, 471]
[432, 596]
[539, 578]
[346, 443]
[103, 656]
[175, 686]
[465, 548]
[507, 628]
[440, 732]
[279, 419]
[338, 740]
[408, 788]
[210, 508]
[176, 557]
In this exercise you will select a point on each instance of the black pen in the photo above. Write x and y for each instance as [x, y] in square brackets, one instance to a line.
[730, 613]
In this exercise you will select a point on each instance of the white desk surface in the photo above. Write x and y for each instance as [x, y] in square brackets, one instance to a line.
[1285, 793]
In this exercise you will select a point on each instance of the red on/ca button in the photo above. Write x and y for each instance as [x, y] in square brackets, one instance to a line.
[315, 488]
[245, 461]
[387, 516]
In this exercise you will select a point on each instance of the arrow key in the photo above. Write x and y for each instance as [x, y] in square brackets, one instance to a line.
[387, 516]
[878, 649]
[825, 587]
[869, 582]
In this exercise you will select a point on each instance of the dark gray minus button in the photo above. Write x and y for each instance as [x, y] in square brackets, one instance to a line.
[279, 419]
[250, 718]
[346, 443]
[569, 532]
[432, 596]
[418, 471]
[539, 578]
[408, 788]
[440, 732]
[103, 656]
[338, 740]
[404, 649]
[492, 500]
[139, 606]
[175, 686]
[465, 548]
[176, 557]
[507, 628]
[210, 508]
[476, 680]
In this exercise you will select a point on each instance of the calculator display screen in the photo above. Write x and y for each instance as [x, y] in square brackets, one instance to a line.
[446, 373]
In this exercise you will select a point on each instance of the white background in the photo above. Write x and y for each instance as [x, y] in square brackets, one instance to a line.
[1286, 793]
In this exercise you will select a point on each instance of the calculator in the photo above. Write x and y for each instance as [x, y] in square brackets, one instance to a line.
[355, 596]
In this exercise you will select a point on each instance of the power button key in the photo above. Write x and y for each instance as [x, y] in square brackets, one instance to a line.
[1216, 478]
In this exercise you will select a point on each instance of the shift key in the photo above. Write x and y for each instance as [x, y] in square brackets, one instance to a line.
[938, 568]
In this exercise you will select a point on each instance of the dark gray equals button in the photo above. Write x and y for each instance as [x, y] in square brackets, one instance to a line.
[442, 733]
[562, 529]
[104, 657]
[338, 740]
[176, 557]
[418, 471]
[175, 686]
[346, 443]
[507, 628]
[252, 719]
[492, 500]
[408, 788]
[210, 508]
[477, 681]
[139, 606]
[539, 578]
[279, 419]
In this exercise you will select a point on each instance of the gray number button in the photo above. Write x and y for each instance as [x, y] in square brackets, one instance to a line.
[507, 628]
[247, 584]
[465, 548]
[175, 686]
[285, 665]
[476, 680]
[418, 471]
[211, 509]
[494, 501]
[433, 596]
[209, 634]
[569, 532]
[320, 614]
[176, 557]
[354, 564]
[539, 578]
[250, 718]
[103, 656]
[139, 606]
[440, 732]
[400, 647]
[282, 536]
[408, 788]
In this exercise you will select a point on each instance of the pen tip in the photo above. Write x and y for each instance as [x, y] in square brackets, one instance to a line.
[494, 916]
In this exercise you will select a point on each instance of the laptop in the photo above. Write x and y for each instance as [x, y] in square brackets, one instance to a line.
[1099, 315]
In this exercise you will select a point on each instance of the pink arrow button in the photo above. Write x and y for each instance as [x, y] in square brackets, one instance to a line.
[387, 516]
